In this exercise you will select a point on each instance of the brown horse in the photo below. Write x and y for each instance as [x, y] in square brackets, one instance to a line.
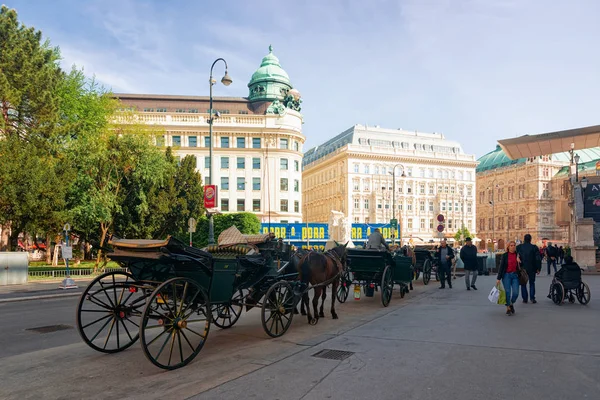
[294, 267]
[320, 270]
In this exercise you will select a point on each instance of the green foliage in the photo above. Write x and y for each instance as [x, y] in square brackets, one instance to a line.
[463, 231]
[247, 223]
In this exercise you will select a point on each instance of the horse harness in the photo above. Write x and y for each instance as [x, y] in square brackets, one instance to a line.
[335, 258]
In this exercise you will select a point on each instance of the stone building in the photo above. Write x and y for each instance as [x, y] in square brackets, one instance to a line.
[353, 173]
[257, 140]
[525, 195]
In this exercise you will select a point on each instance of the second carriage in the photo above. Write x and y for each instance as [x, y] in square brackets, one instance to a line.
[376, 271]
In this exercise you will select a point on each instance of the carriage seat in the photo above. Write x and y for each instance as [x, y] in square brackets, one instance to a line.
[230, 251]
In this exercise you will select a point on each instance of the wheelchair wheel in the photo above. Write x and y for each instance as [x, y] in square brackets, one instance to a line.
[557, 293]
[583, 293]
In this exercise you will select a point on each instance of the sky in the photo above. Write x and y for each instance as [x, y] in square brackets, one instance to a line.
[475, 70]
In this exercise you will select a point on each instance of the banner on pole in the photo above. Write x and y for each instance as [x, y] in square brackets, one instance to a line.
[210, 196]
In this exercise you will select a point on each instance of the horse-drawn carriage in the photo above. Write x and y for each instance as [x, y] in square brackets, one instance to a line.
[425, 264]
[376, 271]
[173, 292]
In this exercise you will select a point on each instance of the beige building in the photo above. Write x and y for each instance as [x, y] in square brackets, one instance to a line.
[526, 195]
[257, 141]
[353, 173]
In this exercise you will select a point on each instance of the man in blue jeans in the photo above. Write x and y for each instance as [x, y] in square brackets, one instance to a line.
[529, 257]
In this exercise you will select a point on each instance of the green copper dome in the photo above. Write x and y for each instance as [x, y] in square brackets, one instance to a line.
[270, 82]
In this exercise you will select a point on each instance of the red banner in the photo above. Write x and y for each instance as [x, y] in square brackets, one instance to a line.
[210, 196]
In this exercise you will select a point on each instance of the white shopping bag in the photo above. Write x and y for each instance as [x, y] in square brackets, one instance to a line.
[494, 295]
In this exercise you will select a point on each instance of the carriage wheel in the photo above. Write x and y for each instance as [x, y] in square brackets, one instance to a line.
[557, 293]
[175, 323]
[278, 309]
[583, 293]
[226, 315]
[109, 311]
[387, 286]
[426, 272]
[344, 288]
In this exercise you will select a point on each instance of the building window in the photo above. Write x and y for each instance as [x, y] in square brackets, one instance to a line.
[422, 205]
[255, 183]
[224, 183]
[356, 168]
[241, 183]
[482, 224]
[256, 143]
[366, 204]
[296, 165]
[296, 206]
[356, 204]
[443, 206]
[376, 170]
[379, 205]
[469, 208]
[284, 205]
[410, 225]
[255, 163]
[452, 189]
[521, 221]
[206, 141]
[224, 204]
[192, 141]
[225, 142]
[511, 193]
[296, 146]
[422, 223]
[283, 164]
[296, 185]
[366, 185]
[206, 162]
[241, 205]
[449, 224]
[521, 191]
[241, 163]
[356, 184]
[176, 141]
[256, 205]
[455, 207]
[225, 162]
[422, 188]
[160, 141]
[409, 171]
[409, 207]
[240, 142]
[367, 169]
[431, 224]
[431, 189]
[283, 144]
[431, 206]
[283, 184]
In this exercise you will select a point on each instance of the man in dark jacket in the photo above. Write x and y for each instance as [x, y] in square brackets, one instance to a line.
[468, 255]
[444, 256]
[376, 241]
[528, 255]
[551, 256]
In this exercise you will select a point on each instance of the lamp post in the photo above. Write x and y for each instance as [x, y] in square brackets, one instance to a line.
[226, 80]
[584, 183]
[394, 198]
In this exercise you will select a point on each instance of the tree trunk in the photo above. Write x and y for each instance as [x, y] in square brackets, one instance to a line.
[13, 242]
[48, 249]
[100, 254]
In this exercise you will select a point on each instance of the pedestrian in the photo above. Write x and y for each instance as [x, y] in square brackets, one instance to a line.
[507, 273]
[530, 260]
[376, 241]
[444, 255]
[551, 254]
[468, 255]
[561, 255]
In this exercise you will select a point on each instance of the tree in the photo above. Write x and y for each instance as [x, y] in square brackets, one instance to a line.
[247, 223]
[462, 231]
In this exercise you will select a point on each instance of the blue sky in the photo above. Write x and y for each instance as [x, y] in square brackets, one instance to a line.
[475, 70]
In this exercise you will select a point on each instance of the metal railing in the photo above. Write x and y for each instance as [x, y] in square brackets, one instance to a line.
[75, 272]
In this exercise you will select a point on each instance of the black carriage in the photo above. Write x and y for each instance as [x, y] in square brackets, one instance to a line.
[375, 271]
[425, 264]
[172, 292]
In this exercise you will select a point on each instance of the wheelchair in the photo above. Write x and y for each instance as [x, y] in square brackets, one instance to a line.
[568, 286]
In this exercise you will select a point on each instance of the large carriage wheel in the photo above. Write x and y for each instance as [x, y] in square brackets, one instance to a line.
[175, 323]
[109, 311]
[387, 286]
[344, 287]
[278, 309]
[583, 293]
[557, 293]
[426, 272]
[226, 315]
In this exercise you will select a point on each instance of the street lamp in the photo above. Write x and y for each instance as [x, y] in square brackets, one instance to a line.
[584, 183]
[226, 80]
[577, 158]
[394, 198]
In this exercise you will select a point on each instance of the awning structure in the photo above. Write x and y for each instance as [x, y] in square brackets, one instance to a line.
[551, 143]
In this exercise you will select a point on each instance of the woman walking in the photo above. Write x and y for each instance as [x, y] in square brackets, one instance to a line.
[508, 275]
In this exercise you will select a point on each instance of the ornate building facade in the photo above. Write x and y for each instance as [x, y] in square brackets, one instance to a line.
[516, 197]
[354, 173]
[257, 141]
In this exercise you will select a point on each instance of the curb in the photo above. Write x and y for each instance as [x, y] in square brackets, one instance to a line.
[41, 297]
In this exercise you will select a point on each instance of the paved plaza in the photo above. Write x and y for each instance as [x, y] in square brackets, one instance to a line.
[432, 344]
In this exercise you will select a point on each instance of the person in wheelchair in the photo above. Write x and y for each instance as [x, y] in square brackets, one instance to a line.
[567, 284]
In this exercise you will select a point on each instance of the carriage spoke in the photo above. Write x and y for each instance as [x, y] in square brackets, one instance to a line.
[127, 318]
[106, 294]
[96, 311]
[172, 345]
[126, 330]
[101, 329]
[273, 321]
[183, 298]
[174, 298]
[99, 302]
[188, 342]
[180, 349]
[98, 320]
[109, 332]
[163, 346]
[191, 302]
[118, 340]
[196, 333]
[156, 338]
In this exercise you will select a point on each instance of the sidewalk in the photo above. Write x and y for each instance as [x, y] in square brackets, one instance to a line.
[38, 290]
[451, 344]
